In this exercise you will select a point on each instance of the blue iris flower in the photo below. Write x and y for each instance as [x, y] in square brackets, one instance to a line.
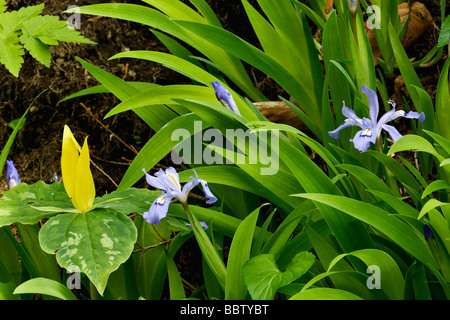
[202, 223]
[371, 128]
[427, 232]
[12, 176]
[225, 97]
[169, 183]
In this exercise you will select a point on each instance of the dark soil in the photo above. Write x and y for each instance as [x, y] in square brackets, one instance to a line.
[36, 149]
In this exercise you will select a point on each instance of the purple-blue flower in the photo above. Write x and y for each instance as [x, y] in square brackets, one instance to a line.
[12, 176]
[169, 183]
[202, 223]
[427, 232]
[371, 128]
[224, 96]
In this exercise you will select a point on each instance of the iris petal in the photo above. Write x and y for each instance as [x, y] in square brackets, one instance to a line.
[371, 128]
[335, 133]
[158, 209]
[363, 138]
[168, 181]
[207, 192]
[202, 223]
[392, 132]
[350, 114]
[188, 186]
[225, 97]
[153, 181]
[12, 176]
[373, 103]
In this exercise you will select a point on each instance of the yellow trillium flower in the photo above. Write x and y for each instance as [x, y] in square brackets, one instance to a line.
[76, 173]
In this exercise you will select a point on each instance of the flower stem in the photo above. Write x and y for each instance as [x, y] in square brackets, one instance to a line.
[93, 291]
[210, 254]
[390, 180]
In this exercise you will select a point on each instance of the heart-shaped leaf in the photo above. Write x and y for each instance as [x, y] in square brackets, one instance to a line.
[28, 204]
[137, 200]
[95, 243]
[263, 278]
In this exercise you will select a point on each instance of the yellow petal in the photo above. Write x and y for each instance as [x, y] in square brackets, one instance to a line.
[84, 185]
[69, 161]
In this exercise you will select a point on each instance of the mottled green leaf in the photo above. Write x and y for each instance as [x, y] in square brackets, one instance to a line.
[27, 204]
[95, 243]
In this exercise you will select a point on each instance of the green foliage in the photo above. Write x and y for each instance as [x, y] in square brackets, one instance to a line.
[94, 243]
[27, 28]
[47, 287]
[444, 34]
[354, 210]
[263, 278]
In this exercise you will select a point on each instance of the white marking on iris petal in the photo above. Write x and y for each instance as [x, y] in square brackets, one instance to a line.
[161, 200]
[347, 120]
[367, 133]
[400, 112]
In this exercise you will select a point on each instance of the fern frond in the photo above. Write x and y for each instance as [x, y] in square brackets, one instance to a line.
[3, 6]
[37, 33]
[12, 21]
[11, 54]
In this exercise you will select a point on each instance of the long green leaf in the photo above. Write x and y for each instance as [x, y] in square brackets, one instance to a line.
[395, 229]
[47, 287]
[7, 284]
[325, 294]
[393, 282]
[239, 254]
[156, 19]
[313, 180]
[157, 148]
[413, 142]
[442, 102]
[260, 60]
[238, 178]
[175, 283]
[407, 70]
[155, 117]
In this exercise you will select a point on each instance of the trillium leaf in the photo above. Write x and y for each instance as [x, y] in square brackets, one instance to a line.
[27, 204]
[137, 200]
[95, 243]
